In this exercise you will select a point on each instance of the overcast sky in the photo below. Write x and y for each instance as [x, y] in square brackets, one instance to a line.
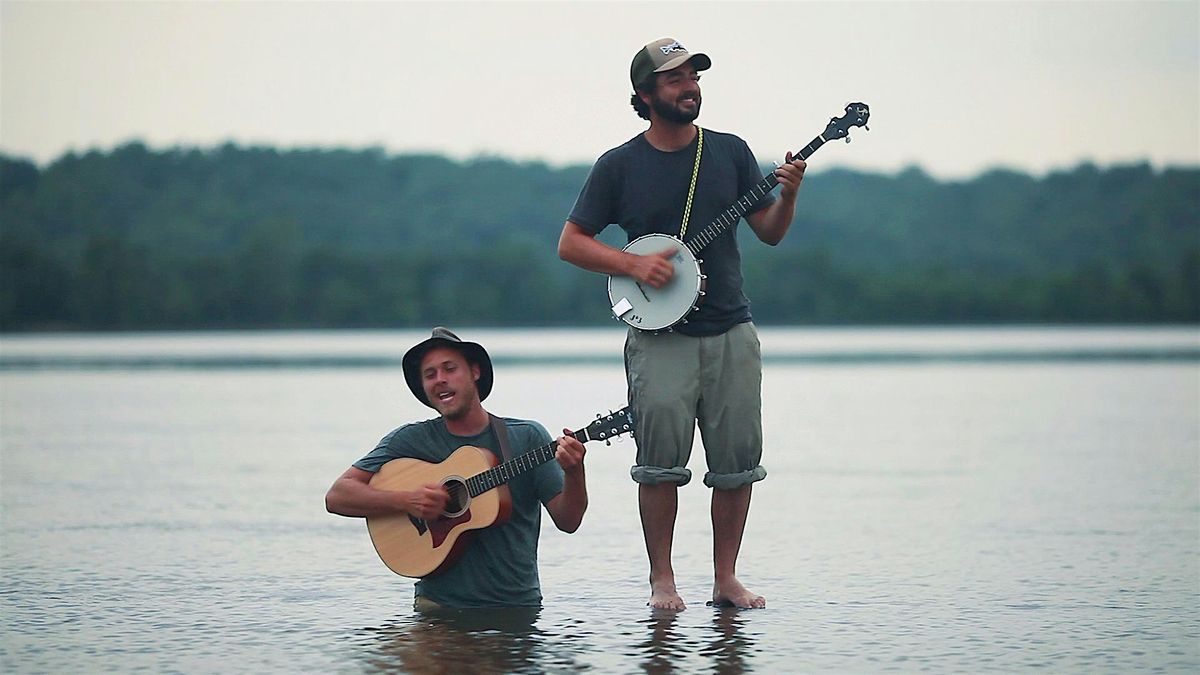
[955, 88]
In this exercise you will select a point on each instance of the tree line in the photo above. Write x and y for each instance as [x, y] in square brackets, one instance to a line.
[256, 237]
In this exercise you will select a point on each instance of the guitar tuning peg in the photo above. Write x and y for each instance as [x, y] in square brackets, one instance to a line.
[866, 128]
[847, 139]
[608, 442]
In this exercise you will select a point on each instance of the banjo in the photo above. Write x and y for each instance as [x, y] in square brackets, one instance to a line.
[652, 309]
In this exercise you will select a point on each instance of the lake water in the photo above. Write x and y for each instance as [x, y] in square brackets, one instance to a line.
[938, 500]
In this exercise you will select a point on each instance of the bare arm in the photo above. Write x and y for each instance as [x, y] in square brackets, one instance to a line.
[580, 248]
[772, 223]
[352, 495]
[567, 507]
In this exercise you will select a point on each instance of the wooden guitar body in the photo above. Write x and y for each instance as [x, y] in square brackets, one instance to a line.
[413, 547]
[476, 483]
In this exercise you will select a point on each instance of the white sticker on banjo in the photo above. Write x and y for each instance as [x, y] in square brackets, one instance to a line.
[622, 307]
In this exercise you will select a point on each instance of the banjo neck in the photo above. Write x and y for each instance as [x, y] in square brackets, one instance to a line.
[744, 203]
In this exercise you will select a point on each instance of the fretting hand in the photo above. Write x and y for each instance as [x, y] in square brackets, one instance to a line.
[790, 174]
[570, 453]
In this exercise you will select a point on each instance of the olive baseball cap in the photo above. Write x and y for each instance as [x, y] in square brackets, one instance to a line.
[662, 55]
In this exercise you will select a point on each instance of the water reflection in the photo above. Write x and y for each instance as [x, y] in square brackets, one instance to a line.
[662, 649]
[728, 644]
[670, 648]
[519, 640]
[455, 641]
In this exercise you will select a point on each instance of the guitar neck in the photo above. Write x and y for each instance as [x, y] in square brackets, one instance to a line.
[730, 216]
[503, 473]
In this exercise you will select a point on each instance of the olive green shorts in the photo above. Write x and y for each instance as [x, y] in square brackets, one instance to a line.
[677, 382]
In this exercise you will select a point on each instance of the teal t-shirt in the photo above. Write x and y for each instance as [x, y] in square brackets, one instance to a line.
[499, 567]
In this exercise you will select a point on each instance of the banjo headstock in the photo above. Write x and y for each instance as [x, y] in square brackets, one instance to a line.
[856, 115]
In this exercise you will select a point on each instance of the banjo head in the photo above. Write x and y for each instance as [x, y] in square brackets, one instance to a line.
[648, 308]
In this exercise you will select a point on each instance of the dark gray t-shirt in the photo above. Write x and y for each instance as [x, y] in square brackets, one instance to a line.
[644, 190]
[499, 567]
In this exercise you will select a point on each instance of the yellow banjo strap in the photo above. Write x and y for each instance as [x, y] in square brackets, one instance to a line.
[687, 211]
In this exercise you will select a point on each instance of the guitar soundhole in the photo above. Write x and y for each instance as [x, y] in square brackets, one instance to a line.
[459, 500]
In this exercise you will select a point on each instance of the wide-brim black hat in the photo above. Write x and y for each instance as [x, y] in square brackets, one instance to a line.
[443, 337]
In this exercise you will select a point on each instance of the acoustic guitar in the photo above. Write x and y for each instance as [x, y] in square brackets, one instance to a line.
[479, 497]
[655, 309]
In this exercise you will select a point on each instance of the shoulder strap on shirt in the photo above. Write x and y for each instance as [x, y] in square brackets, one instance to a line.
[500, 429]
[687, 210]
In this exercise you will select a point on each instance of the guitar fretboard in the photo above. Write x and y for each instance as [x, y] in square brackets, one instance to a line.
[744, 203]
[502, 473]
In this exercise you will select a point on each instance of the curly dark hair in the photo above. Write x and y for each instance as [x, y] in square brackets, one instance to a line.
[646, 87]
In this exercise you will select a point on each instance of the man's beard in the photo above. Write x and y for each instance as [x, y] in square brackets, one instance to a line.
[671, 113]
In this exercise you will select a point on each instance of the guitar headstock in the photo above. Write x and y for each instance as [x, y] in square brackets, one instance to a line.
[856, 115]
[607, 426]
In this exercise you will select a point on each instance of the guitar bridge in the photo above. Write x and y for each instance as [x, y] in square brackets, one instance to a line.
[419, 523]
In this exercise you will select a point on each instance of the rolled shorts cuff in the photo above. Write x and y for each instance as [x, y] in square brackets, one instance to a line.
[733, 481]
[653, 475]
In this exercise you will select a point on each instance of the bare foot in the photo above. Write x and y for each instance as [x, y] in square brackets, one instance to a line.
[731, 593]
[664, 596]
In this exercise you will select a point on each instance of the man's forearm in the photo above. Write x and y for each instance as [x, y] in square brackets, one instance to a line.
[773, 222]
[584, 251]
[356, 499]
[572, 503]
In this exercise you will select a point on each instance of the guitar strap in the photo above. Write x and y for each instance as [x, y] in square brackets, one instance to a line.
[500, 429]
[687, 210]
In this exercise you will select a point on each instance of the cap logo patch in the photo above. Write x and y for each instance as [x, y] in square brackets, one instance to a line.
[673, 47]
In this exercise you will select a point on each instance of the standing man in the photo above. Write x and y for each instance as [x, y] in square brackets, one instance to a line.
[708, 370]
[499, 568]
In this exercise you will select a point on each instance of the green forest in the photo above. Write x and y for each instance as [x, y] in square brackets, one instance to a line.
[256, 237]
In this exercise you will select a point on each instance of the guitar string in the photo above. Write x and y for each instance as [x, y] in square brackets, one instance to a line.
[502, 473]
[731, 215]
